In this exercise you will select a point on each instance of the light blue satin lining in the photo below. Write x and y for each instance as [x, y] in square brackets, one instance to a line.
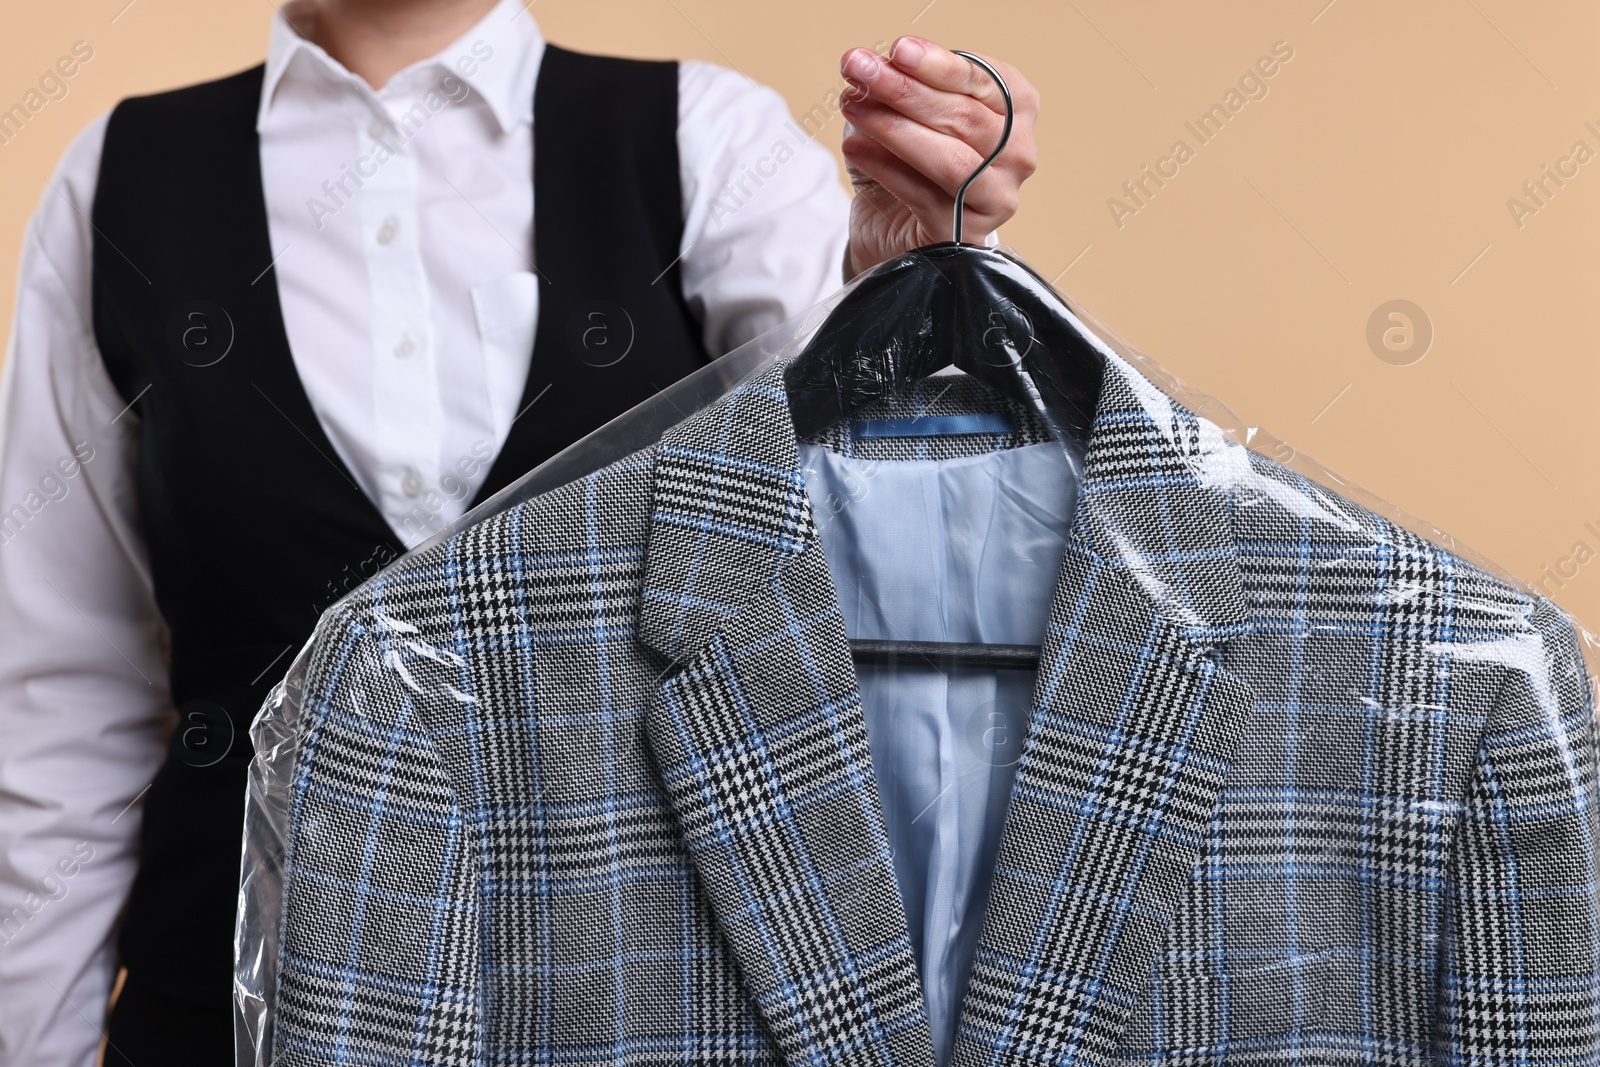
[962, 549]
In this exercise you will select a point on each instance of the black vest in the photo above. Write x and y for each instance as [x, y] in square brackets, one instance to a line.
[253, 523]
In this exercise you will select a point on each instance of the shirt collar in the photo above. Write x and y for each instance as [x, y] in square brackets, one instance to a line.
[502, 70]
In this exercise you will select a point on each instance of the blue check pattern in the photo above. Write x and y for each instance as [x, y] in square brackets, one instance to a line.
[589, 783]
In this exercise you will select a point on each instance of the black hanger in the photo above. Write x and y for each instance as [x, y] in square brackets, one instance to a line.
[978, 309]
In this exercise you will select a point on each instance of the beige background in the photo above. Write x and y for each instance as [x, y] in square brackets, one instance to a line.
[1377, 167]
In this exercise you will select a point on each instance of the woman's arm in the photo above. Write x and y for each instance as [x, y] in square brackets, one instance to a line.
[83, 682]
[765, 214]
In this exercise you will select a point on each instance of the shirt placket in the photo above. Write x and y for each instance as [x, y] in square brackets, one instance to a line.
[407, 416]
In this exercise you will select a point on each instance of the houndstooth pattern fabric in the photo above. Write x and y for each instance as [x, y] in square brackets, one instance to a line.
[792, 849]
[397, 988]
[589, 783]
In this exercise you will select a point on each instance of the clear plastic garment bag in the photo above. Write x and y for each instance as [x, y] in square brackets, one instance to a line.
[931, 680]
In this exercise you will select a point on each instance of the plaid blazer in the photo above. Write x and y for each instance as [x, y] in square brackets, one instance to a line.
[588, 782]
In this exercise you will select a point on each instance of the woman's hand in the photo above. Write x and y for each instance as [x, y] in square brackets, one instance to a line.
[917, 125]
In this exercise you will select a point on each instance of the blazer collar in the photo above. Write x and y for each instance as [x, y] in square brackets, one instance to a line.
[1156, 503]
[730, 508]
[760, 739]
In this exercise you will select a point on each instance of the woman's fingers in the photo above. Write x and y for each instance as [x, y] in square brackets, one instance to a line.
[921, 122]
[940, 159]
[931, 205]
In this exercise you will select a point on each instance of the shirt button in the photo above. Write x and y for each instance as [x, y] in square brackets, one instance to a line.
[379, 127]
[386, 232]
[411, 482]
[405, 348]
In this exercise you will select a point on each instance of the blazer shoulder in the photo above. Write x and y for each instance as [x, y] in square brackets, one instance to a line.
[1280, 512]
[601, 514]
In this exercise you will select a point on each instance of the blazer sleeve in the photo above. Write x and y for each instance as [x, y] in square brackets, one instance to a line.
[1520, 978]
[378, 957]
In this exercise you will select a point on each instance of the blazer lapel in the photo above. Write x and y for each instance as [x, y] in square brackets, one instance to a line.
[760, 739]
[1136, 719]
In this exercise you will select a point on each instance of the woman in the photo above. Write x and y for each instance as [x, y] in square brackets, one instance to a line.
[276, 329]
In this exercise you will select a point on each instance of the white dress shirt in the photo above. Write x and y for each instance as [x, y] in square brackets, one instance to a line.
[410, 306]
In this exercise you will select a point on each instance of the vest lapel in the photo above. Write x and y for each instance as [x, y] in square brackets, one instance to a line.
[1136, 719]
[762, 745]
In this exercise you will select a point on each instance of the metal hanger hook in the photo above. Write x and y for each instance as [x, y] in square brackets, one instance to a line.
[1005, 135]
